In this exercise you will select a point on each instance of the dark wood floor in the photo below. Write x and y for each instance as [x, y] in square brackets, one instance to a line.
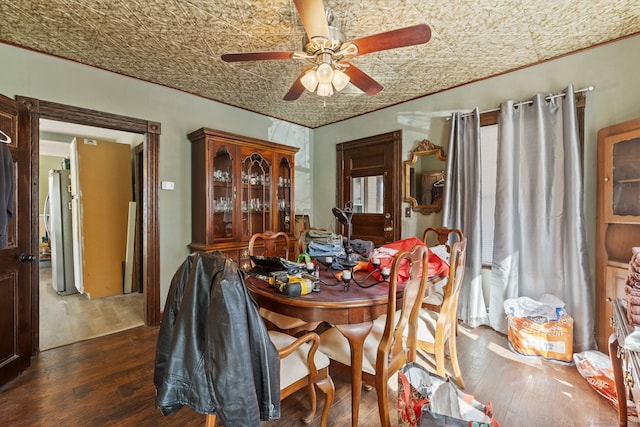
[108, 381]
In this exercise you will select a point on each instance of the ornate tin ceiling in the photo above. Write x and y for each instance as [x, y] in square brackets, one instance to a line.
[178, 43]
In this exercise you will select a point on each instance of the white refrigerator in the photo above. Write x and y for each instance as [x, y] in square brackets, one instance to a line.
[59, 228]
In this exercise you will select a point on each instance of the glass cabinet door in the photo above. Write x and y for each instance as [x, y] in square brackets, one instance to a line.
[256, 195]
[222, 199]
[284, 195]
[623, 180]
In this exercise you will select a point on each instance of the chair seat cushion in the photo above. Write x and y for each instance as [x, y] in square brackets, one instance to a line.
[442, 252]
[282, 321]
[294, 366]
[427, 325]
[435, 298]
[336, 346]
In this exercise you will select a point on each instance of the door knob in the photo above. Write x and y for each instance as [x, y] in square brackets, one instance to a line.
[388, 229]
[26, 258]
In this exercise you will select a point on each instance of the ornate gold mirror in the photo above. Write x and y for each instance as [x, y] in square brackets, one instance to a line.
[424, 177]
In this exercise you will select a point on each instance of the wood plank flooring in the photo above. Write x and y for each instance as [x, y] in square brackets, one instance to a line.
[108, 381]
[71, 318]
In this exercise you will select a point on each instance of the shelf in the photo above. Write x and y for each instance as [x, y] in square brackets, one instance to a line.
[618, 264]
[627, 181]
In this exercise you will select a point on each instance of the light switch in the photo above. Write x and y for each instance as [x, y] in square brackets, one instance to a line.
[168, 185]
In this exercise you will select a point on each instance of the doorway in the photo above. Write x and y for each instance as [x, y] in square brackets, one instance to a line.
[369, 182]
[67, 316]
[149, 218]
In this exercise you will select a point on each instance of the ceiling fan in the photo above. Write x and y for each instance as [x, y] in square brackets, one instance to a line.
[328, 53]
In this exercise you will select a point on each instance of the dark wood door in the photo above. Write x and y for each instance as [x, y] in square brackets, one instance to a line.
[369, 180]
[17, 257]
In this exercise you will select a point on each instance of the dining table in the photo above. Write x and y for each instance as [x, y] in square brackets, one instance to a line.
[351, 310]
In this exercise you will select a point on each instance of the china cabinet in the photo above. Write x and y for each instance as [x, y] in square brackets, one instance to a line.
[240, 186]
[618, 217]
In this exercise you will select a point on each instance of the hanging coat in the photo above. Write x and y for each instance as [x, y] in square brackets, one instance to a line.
[6, 192]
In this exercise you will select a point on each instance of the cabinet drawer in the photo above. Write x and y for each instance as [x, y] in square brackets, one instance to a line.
[615, 281]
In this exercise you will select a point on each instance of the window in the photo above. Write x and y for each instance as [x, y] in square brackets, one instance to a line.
[368, 194]
[488, 160]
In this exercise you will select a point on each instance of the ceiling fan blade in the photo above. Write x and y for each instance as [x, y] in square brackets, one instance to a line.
[255, 56]
[408, 36]
[297, 88]
[313, 18]
[362, 80]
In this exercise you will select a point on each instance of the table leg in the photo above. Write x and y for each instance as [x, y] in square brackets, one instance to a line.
[356, 334]
[618, 376]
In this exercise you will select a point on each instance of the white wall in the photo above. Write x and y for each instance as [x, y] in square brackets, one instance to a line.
[52, 79]
[612, 69]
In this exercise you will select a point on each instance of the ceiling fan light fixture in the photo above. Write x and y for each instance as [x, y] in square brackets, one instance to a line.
[325, 89]
[327, 51]
[340, 80]
[310, 80]
[324, 73]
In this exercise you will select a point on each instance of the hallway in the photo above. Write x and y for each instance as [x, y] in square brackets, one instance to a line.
[73, 318]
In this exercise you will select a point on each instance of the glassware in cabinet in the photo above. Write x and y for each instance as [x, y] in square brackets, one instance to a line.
[223, 197]
[284, 194]
[256, 194]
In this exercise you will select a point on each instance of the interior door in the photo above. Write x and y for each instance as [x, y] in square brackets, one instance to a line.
[16, 266]
[369, 181]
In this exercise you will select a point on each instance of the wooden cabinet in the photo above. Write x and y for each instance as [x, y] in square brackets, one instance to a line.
[239, 186]
[618, 217]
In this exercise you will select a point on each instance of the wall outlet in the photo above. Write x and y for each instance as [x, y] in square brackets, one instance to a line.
[167, 185]
[407, 212]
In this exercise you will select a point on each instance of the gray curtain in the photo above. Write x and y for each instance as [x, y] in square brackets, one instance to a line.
[539, 242]
[462, 209]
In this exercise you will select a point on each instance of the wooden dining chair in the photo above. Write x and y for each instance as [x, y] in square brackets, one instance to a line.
[439, 236]
[301, 366]
[385, 349]
[269, 243]
[443, 236]
[436, 329]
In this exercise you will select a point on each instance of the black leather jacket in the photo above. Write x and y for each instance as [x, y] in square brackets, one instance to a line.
[213, 352]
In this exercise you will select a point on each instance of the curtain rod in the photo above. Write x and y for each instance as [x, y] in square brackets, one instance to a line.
[547, 98]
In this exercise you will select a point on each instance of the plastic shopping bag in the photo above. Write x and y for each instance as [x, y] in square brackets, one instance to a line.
[428, 400]
[595, 367]
[540, 328]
